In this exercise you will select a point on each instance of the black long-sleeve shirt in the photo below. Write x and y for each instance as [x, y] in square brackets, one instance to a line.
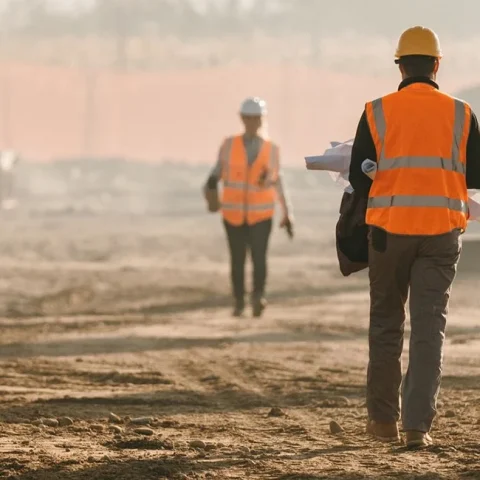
[364, 147]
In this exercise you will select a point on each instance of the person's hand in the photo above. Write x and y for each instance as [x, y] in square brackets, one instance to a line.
[287, 224]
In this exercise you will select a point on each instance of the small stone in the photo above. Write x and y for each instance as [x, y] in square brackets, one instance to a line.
[342, 401]
[142, 420]
[335, 428]
[112, 418]
[210, 378]
[65, 421]
[37, 422]
[276, 412]
[210, 446]
[197, 444]
[450, 414]
[96, 428]
[50, 422]
[91, 459]
[168, 445]
[169, 424]
[144, 431]
[116, 429]
[106, 458]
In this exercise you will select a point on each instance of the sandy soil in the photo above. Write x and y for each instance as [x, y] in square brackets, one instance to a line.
[128, 314]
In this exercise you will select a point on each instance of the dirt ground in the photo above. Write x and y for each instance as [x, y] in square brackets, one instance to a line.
[129, 314]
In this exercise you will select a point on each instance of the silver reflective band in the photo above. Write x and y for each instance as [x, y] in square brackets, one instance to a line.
[226, 155]
[418, 201]
[244, 186]
[452, 164]
[421, 162]
[239, 206]
[458, 127]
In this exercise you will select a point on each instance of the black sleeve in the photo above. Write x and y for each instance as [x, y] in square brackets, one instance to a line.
[473, 155]
[212, 182]
[363, 148]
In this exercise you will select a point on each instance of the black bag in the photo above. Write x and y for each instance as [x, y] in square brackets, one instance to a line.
[351, 234]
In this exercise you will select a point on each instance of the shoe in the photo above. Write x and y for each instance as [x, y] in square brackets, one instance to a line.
[238, 309]
[417, 439]
[384, 432]
[258, 306]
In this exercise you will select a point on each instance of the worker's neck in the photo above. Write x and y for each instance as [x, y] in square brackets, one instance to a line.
[427, 77]
[250, 135]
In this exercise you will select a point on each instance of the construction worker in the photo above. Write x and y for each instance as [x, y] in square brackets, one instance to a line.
[427, 148]
[249, 168]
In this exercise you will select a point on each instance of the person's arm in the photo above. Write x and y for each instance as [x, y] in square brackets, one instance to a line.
[279, 185]
[473, 155]
[283, 197]
[363, 148]
[216, 172]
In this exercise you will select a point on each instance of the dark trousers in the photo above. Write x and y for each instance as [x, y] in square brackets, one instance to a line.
[426, 266]
[255, 239]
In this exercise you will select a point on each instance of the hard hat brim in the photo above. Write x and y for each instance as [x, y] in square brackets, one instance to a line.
[397, 59]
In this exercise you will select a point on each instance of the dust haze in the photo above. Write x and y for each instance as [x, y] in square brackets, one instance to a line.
[118, 355]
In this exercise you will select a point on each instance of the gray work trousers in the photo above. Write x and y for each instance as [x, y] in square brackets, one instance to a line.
[427, 266]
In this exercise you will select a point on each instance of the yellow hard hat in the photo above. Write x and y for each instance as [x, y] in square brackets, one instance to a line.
[418, 41]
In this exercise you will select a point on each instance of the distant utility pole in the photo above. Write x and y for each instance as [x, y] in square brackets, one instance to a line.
[89, 113]
[113, 15]
[121, 27]
[5, 93]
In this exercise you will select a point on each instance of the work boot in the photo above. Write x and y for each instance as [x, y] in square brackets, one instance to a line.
[238, 308]
[384, 432]
[417, 439]
[258, 305]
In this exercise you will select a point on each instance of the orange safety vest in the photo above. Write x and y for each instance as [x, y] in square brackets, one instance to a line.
[248, 190]
[420, 136]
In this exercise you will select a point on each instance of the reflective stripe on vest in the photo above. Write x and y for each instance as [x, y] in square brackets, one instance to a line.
[259, 207]
[246, 199]
[451, 164]
[418, 201]
[405, 198]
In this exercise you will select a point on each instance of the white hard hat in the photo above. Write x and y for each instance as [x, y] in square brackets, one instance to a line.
[253, 106]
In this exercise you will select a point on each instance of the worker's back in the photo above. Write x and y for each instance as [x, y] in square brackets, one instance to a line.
[420, 119]
[420, 136]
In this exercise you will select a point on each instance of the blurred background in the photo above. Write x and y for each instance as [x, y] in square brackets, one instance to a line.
[161, 80]
[133, 78]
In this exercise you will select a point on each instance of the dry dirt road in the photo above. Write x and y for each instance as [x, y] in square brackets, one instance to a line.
[129, 315]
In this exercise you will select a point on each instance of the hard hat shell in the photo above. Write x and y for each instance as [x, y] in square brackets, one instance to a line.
[253, 107]
[418, 41]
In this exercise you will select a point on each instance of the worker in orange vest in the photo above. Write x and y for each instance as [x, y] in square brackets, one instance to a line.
[249, 167]
[427, 148]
